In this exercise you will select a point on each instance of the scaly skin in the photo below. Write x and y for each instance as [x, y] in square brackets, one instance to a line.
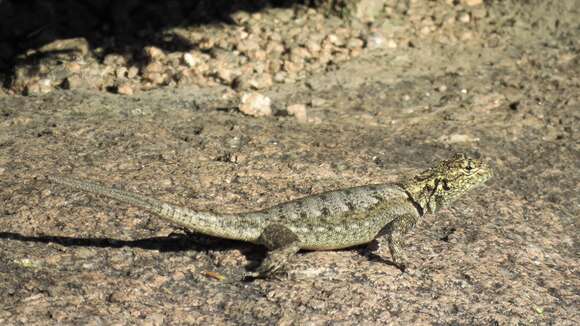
[331, 220]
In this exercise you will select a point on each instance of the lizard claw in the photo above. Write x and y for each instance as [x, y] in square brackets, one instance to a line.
[269, 267]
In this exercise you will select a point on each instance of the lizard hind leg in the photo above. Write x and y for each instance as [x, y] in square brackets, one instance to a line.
[282, 244]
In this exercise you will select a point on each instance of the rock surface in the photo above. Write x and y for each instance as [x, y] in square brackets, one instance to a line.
[497, 79]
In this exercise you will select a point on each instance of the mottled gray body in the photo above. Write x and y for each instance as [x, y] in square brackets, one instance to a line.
[330, 220]
[342, 218]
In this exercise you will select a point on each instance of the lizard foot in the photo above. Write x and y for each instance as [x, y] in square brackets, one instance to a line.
[282, 245]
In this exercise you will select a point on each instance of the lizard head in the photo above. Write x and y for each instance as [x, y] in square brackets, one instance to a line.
[448, 180]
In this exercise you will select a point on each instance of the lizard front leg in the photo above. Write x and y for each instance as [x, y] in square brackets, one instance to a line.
[396, 231]
[282, 244]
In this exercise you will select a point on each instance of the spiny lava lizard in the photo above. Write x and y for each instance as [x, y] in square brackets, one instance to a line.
[330, 220]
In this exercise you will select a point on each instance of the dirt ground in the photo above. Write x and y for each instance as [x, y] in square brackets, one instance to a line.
[501, 82]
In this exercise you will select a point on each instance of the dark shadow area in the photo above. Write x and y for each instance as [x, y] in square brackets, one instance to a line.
[178, 242]
[110, 26]
[368, 251]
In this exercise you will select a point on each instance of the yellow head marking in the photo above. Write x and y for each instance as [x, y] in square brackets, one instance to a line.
[442, 184]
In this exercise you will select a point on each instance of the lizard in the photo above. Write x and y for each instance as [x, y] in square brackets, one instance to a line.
[326, 221]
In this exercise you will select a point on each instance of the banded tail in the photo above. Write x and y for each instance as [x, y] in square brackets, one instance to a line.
[245, 227]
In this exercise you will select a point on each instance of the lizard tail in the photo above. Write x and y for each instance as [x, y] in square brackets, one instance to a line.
[236, 227]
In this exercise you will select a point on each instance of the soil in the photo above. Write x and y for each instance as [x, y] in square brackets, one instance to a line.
[496, 79]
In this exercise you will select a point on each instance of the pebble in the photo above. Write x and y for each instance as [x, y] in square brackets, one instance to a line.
[38, 87]
[153, 67]
[334, 40]
[226, 75]
[114, 59]
[472, 3]
[298, 111]
[376, 41]
[255, 104]
[457, 138]
[132, 72]
[318, 102]
[441, 88]
[354, 43]
[125, 89]
[279, 45]
[190, 60]
[464, 17]
[154, 53]
[261, 81]
[121, 72]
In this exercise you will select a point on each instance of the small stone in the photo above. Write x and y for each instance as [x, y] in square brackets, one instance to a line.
[324, 57]
[261, 81]
[318, 102]
[293, 67]
[189, 60]
[153, 67]
[84, 253]
[298, 111]
[257, 55]
[355, 52]
[297, 55]
[280, 77]
[466, 36]
[226, 75]
[39, 87]
[355, 43]
[178, 276]
[274, 65]
[367, 10]
[376, 41]
[284, 15]
[251, 43]
[392, 44]
[472, 3]
[121, 72]
[79, 44]
[464, 17]
[275, 47]
[114, 60]
[206, 43]
[441, 88]
[132, 72]
[240, 17]
[313, 46]
[425, 30]
[73, 67]
[457, 138]
[154, 53]
[155, 77]
[255, 104]
[125, 89]
[334, 40]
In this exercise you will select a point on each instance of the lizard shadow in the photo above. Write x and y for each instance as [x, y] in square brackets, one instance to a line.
[376, 258]
[369, 250]
[172, 243]
[175, 242]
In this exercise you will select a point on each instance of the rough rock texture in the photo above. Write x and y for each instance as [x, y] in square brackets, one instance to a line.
[496, 78]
